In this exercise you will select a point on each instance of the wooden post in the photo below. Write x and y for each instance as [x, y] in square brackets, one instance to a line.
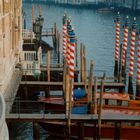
[48, 65]
[138, 69]
[55, 30]
[100, 109]
[124, 48]
[81, 131]
[90, 82]
[69, 112]
[95, 95]
[64, 77]
[36, 131]
[85, 76]
[76, 52]
[33, 17]
[117, 131]
[117, 44]
[81, 58]
[130, 85]
[84, 66]
[95, 130]
[120, 66]
[132, 54]
[58, 47]
[67, 88]
[54, 37]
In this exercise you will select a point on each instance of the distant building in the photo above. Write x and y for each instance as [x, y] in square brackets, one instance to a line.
[131, 4]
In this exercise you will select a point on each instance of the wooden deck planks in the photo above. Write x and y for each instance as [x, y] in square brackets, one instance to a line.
[74, 117]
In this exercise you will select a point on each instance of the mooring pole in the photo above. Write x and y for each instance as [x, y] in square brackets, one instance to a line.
[117, 45]
[117, 131]
[33, 17]
[36, 131]
[76, 51]
[90, 82]
[72, 57]
[120, 65]
[54, 37]
[124, 49]
[67, 88]
[81, 131]
[100, 108]
[132, 52]
[64, 35]
[68, 41]
[69, 111]
[95, 95]
[138, 69]
[58, 47]
[84, 68]
[64, 76]
[24, 20]
[94, 130]
[48, 65]
[81, 63]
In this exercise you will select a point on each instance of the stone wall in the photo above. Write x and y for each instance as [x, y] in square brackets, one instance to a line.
[10, 38]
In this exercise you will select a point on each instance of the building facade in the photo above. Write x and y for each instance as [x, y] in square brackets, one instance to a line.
[10, 49]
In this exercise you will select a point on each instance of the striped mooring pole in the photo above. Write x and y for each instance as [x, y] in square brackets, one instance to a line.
[64, 35]
[132, 52]
[125, 44]
[72, 57]
[68, 42]
[138, 69]
[117, 45]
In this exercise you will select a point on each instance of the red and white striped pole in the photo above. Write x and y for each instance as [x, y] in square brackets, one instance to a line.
[117, 45]
[72, 53]
[64, 35]
[125, 44]
[138, 69]
[68, 42]
[72, 56]
[132, 52]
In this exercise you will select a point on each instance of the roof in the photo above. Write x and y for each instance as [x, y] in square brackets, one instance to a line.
[31, 46]
[28, 47]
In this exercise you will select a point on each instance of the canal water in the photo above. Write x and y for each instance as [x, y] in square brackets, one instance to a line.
[96, 30]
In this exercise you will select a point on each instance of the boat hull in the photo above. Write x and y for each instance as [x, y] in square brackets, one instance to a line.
[107, 131]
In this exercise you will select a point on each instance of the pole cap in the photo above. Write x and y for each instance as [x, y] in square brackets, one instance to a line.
[118, 17]
[134, 24]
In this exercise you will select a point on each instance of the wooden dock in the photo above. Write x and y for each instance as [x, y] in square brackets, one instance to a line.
[74, 117]
[59, 85]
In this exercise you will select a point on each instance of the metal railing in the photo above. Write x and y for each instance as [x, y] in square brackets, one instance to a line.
[49, 32]
[28, 34]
